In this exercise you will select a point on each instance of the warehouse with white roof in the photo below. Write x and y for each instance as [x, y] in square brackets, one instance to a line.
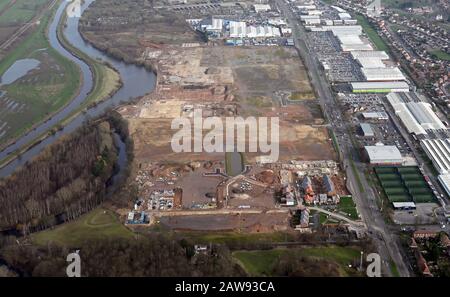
[379, 87]
[371, 54]
[383, 155]
[383, 74]
[416, 116]
[369, 62]
[438, 150]
[444, 179]
[356, 47]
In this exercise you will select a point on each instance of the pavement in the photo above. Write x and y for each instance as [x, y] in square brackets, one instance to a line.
[385, 238]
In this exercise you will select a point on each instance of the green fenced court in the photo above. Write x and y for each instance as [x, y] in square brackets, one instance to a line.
[404, 184]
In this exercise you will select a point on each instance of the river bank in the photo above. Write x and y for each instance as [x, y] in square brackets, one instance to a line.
[136, 82]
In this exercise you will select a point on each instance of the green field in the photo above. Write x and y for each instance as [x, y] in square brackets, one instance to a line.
[371, 33]
[261, 262]
[22, 11]
[346, 205]
[233, 238]
[42, 91]
[99, 223]
[440, 55]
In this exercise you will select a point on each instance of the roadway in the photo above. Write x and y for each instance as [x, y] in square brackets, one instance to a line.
[385, 239]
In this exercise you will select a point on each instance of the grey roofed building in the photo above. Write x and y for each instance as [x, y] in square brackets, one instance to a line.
[367, 130]
[383, 155]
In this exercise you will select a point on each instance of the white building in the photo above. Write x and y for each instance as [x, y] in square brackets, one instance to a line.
[369, 62]
[416, 116]
[238, 29]
[370, 54]
[380, 87]
[383, 74]
[438, 151]
[444, 179]
[261, 7]
[383, 155]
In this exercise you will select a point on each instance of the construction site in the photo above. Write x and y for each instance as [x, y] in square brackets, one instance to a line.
[228, 81]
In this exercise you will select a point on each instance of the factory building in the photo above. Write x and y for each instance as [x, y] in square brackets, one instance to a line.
[416, 116]
[344, 30]
[241, 30]
[238, 29]
[369, 62]
[438, 151]
[261, 7]
[383, 74]
[377, 115]
[379, 87]
[371, 54]
[356, 47]
[366, 130]
[212, 25]
[383, 155]
[444, 179]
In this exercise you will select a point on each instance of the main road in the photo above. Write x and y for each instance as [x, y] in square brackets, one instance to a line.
[384, 237]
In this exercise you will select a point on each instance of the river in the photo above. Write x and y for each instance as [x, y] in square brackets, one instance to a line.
[137, 81]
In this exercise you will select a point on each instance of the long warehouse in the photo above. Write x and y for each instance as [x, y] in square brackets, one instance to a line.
[383, 74]
[379, 87]
[416, 116]
[438, 150]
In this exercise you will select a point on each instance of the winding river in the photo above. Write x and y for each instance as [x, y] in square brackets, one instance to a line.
[137, 81]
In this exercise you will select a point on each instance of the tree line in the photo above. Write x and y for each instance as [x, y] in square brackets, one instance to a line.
[65, 180]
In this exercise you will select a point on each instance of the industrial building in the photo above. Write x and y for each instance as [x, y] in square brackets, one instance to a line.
[370, 54]
[356, 47]
[379, 87]
[370, 62]
[416, 116]
[383, 155]
[375, 115]
[366, 130]
[261, 7]
[404, 205]
[438, 151]
[241, 30]
[383, 74]
[444, 179]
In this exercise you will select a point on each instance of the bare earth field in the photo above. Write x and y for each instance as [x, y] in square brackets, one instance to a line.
[222, 81]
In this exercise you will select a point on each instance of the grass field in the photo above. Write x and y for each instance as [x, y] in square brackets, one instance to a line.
[41, 91]
[441, 55]
[22, 11]
[346, 205]
[371, 33]
[99, 223]
[231, 238]
[260, 263]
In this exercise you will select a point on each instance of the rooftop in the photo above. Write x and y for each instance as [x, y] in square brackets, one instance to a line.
[383, 153]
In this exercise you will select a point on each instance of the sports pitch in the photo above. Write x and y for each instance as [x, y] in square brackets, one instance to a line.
[404, 184]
